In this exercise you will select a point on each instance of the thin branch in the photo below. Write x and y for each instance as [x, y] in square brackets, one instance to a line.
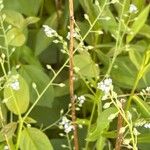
[119, 138]
[71, 75]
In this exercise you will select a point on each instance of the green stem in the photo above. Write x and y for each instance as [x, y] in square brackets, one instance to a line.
[118, 40]
[69, 143]
[90, 123]
[19, 132]
[133, 90]
[6, 45]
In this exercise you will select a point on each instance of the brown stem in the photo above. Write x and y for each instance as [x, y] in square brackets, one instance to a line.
[119, 138]
[71, 75]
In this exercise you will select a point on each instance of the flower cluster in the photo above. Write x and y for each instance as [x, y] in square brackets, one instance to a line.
[81, 100]
[49, 31]
[66, 125]
[74, 35]
[13, 82]
[106, 86]
[59, 39]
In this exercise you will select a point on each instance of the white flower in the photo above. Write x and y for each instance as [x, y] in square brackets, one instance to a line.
[68, 128]
[15, 85]
[105, 86]
[148, 89]
[81, 100]
[64, 121]
[75, 35]
[133, 8]
[6, 147]
[49, 31]
[147, 125]
[66, 125]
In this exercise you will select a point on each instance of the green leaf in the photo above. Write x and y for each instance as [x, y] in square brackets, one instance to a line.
[135, 57]
[32, 138]
[42, 41]
[16, 94]
[30, 7]
[26, 55]
[85, 65]
[102, 124]
[31, 20]
[15, 37]
[27, 7]
[144, 138]
[14, 18]
[145, 31]
[35, 74]
[124, 72]
[143, 106]
[30, 120]
[8, 130]
[138, 23]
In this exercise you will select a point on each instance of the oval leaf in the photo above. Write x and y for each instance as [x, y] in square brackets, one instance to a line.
[35, 74]
[34, 139]
[16, 94]
[15, 37]
[86, 66]
[14, 18]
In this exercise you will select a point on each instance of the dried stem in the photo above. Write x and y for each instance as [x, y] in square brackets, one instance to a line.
[71, 75]
[119, 138]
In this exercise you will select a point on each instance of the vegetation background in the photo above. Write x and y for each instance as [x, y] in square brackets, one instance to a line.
[111, 40]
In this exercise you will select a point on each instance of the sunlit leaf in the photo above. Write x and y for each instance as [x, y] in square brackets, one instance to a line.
[15, 37]
[85, 65]
[16, 94]
[32, 138]
[14, 18]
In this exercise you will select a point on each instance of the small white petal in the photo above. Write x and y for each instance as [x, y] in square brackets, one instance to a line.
[133, 8]
[15, 85]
